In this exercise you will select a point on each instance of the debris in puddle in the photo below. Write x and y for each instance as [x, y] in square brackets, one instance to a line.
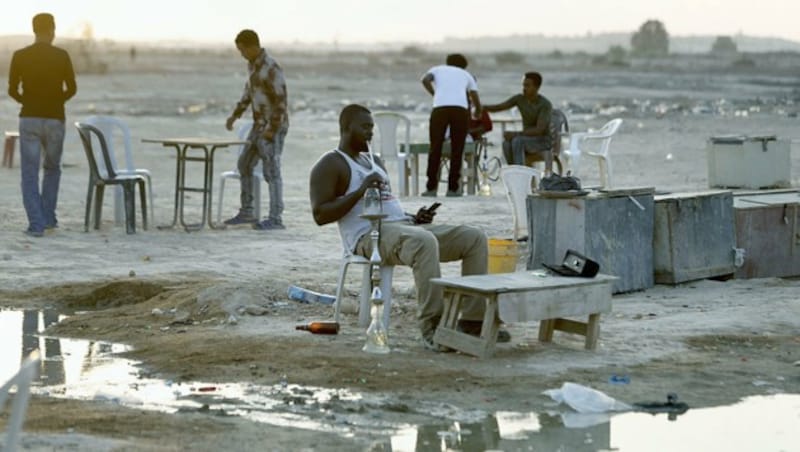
[131, 273]
[207, 389]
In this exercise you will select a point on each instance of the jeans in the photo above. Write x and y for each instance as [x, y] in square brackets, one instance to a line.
[269, 152]
[514, 151]
[41, 142]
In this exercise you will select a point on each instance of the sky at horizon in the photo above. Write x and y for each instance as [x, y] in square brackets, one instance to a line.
[375, 21]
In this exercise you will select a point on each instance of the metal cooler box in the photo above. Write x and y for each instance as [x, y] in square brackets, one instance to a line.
[749, 162]
[613, 227]
[693, 236]
[768, 230]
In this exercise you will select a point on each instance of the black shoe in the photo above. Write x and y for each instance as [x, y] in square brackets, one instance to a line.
[34, 233]
[429, 193]
[454, 194]
[240, 219]
[473, 328]
[269, 224]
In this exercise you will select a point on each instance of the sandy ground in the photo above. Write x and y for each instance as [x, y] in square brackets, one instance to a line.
[708, 341]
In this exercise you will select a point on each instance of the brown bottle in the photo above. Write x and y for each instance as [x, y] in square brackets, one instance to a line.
[320, 327]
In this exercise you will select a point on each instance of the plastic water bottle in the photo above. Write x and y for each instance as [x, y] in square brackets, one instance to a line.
[309, 296]
[377, 337]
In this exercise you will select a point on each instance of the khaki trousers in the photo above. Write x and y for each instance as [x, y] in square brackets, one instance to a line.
[423, 247]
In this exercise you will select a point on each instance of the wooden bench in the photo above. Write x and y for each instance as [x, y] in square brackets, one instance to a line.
[523, 297]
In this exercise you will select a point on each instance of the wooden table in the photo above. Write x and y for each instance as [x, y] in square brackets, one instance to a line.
[205, 147]
[523, 297]
[470, 156]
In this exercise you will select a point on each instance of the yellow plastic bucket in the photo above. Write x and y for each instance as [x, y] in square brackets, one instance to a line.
[503, 255]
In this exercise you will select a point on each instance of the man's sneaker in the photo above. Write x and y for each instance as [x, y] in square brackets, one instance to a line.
[473, 328]
[240, 219]
[428, 344]
[34, 233]
[429, 193]
[269, 224]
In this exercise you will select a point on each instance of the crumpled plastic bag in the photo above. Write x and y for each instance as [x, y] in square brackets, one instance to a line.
[585, 400]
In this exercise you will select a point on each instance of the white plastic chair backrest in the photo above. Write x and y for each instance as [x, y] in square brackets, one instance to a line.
[242, 133]
[23, 380]
[114, 129]
[606, 133]
[519, 181]
[387, 123]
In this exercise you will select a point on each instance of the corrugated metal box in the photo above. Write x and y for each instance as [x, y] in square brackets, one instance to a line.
[693, 236]
[768, 230]
[749, 162]
[614, 228]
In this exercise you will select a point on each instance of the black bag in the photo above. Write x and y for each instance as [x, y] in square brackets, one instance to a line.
[556, 182]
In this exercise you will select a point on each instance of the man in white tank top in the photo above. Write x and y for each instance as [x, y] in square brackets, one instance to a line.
[337, 184]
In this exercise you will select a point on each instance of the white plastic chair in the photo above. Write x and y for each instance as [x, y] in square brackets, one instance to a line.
[243, 132]
[364, 298]
[22, 380]
[116, 131]
[604, 135]
[389, 150]
[520, 181]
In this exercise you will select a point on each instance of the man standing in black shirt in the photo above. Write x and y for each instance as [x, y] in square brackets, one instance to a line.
[45, 74]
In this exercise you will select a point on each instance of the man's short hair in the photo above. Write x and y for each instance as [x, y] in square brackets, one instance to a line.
[457, 60]
[248, 38]
[535, 77]
[349, 113]
[43, 23]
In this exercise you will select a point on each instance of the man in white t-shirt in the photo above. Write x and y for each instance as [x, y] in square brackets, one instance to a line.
[449, 84]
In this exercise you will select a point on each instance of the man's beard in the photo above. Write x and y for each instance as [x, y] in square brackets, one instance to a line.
[359, 144]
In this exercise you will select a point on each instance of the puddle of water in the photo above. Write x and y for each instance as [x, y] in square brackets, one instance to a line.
[90, 370]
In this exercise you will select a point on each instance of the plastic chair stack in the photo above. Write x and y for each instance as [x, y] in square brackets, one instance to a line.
[102, 172]
[116, 131]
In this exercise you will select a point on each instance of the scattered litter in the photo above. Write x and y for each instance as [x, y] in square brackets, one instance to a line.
[232, 320]
[619, 379]
[157, 311]
[584, 399]
[309, 296]
[131, 273]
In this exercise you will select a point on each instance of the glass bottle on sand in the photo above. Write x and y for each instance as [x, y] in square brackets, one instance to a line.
[320, 327]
